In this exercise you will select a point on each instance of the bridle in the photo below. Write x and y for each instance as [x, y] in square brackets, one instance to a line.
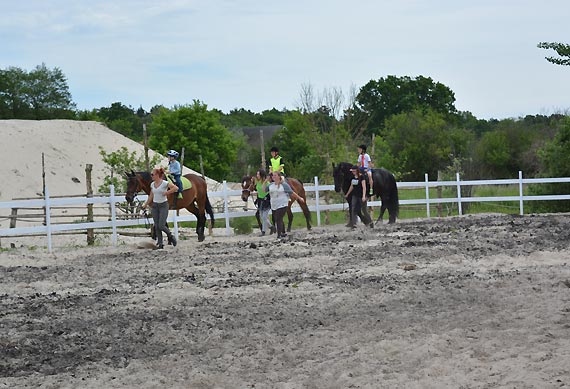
[249, 188]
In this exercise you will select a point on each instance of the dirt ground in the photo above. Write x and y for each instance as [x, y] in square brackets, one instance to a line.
[463, 302]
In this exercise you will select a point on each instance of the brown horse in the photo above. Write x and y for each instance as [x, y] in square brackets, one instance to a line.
[248, 186]
[194, 199]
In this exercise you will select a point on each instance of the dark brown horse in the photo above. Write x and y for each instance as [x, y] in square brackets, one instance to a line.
[194, 199]
[248, 186]
[384, 187]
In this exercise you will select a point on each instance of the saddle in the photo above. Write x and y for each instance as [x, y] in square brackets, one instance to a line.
[186, 183]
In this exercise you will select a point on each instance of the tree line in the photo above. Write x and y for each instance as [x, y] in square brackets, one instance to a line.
[410, 124]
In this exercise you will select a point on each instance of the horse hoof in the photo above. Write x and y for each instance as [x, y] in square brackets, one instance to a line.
[201, 238]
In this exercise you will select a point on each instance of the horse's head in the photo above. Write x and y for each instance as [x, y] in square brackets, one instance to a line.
[247, 186]
[338, 178]
[342, 176]
[133, 186]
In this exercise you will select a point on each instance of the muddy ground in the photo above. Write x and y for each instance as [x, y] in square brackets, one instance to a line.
[464, 302]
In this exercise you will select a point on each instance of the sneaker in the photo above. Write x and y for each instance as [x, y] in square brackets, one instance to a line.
[272, 230]
[371, 192]
[262, 233]
[159, 246]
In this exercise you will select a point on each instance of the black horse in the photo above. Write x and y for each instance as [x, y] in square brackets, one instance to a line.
[384, 187]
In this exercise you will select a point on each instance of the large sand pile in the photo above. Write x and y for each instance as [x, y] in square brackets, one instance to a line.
[67, 146]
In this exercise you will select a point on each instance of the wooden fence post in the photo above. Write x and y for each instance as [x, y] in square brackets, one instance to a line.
[90, 232]
[13, 216]
[262, 145]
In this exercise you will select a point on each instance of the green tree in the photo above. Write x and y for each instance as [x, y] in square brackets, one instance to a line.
[420, 142]
[13, 100]
[124, 120]
[493, 155]
[380, 99]
[42, 93]
[561, 49]
[200, 132]
[303, 147]
[48, 94]
[120, 161]
[555, 161]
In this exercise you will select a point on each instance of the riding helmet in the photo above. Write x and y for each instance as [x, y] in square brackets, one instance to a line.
[274, 149]
[173, 153]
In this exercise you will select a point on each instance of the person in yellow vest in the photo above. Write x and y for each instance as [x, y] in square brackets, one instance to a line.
[276, 164]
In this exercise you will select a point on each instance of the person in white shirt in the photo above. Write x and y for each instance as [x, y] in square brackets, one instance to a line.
[279, 192]
[159, 190]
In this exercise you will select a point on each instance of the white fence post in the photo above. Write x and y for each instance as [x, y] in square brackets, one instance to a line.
[427, 195]
[317, 207]
[459, 209]
[48, 219]
[521, 192]
[226, 208]
[113, 215]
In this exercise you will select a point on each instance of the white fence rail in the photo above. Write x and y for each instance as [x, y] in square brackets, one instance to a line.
[49, 229]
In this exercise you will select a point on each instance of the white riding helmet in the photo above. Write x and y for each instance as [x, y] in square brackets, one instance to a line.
[173, 153]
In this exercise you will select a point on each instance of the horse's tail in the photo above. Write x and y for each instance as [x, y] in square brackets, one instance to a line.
[210, 210]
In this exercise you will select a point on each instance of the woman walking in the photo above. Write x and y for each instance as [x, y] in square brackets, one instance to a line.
[280, 192]
[159, 190]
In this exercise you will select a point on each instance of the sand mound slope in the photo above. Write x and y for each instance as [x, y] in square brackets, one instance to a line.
[67, 146]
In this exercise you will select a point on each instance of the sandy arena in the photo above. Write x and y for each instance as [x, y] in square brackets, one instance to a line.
[463, 302]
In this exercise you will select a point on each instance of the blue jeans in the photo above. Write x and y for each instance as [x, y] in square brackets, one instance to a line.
[178, 182]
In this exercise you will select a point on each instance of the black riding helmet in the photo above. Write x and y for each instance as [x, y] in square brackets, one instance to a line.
[274, 149]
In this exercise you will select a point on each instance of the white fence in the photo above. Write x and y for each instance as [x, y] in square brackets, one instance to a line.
[49, 228]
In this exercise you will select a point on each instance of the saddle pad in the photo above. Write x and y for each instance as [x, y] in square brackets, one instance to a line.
[186, 184]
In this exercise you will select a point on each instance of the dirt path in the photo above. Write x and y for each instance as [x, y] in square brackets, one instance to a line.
[466, 302]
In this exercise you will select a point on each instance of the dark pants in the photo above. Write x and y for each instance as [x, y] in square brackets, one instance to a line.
[358, 208]
[278, 216]
[159, 215]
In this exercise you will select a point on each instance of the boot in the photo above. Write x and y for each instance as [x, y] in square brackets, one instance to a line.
[172, 240]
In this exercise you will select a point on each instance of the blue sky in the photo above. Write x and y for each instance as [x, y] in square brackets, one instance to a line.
[257, 54]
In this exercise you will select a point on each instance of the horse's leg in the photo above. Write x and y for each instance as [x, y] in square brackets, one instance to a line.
[258, 218]
[289, 216]
[192, 209]
[306, 212]
[201, 226]
[201, 205]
